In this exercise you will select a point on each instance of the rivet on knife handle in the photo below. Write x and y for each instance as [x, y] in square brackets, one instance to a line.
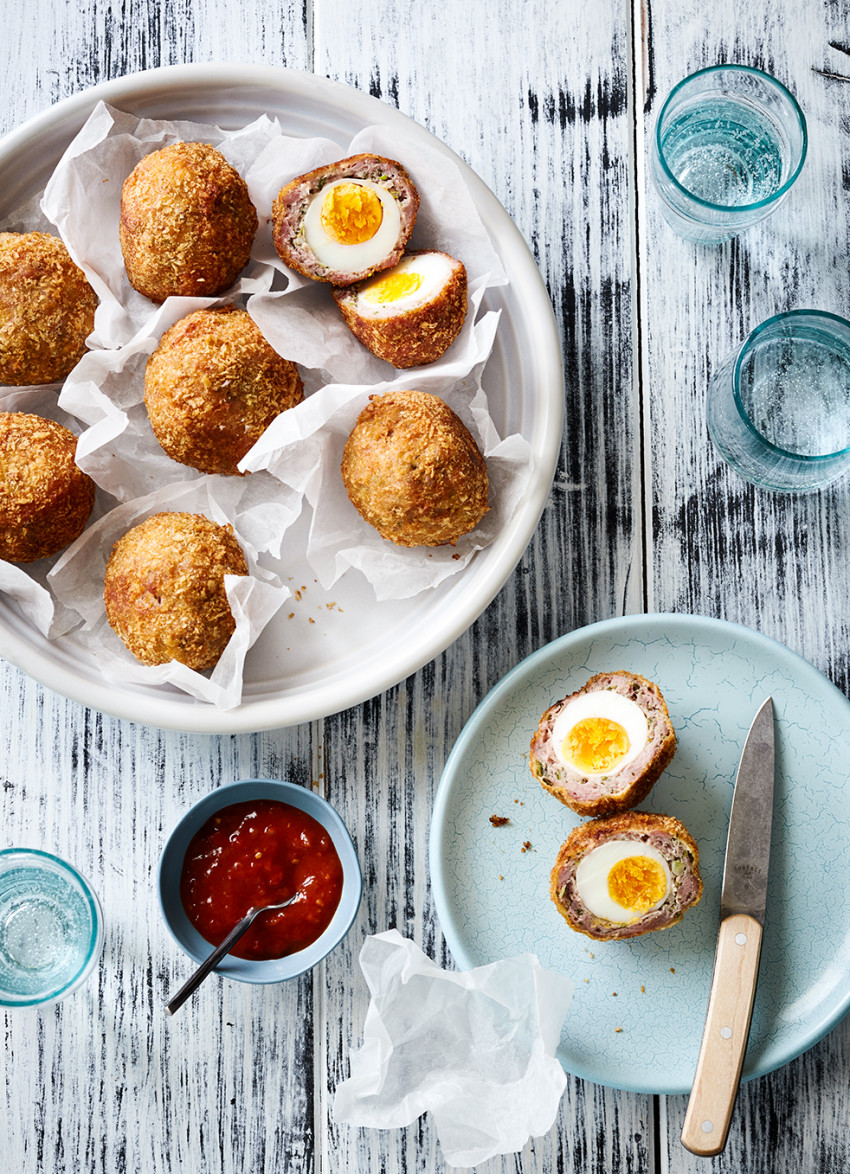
[724, 1040]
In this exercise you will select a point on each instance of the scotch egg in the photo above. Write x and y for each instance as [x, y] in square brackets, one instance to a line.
[411, 314]
[413, 471]
[602, 749]
[625, 875]
[346, 220]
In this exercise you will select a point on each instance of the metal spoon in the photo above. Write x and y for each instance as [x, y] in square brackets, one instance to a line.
[218, 953]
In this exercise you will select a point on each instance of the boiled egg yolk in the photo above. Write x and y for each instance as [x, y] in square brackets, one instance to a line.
[417, 280]
[621, 880]
[596, 744]
[352, 225]
[351, 213]
[600, 733]
[394, 288]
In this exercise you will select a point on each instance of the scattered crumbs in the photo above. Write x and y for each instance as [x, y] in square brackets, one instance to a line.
[592, 954]
[226, 1024]
[455, 556]
[304, 586]
[618, 1029]
[501, 877]
[330, 606]
[526, 846]
[298, 596]
[672, 969]
[643, 990]
[310, 620]
[499, 821]
[233, 1100]
[291, 615]
[587, 980]
[613, 994]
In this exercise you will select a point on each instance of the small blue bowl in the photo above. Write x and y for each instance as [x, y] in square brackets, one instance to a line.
[171, 867]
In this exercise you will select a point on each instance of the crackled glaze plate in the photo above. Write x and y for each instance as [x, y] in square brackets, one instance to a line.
[637, 1014]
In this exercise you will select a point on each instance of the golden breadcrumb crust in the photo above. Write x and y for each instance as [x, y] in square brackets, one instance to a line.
[164, 589]
[187, 223]
[587, 836]
[213, 386]
[415, 336]
[45, 499]
[46, 309]
[413, 471]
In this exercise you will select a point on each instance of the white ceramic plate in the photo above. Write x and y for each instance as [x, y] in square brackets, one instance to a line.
[303, 670]
[637, 1014]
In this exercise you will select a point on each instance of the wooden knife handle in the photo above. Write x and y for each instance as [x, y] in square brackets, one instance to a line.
[724, 1040]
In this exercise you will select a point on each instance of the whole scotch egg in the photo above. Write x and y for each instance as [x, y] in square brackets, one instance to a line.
[601, 749]
[187, 223]
[346, 220]
[411, 314]
[47, 309]
[413, 471]
[624, 875]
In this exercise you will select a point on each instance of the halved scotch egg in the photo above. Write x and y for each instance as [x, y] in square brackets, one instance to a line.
[625, 875]
[601, 749]
[411, 314]
[346, 220]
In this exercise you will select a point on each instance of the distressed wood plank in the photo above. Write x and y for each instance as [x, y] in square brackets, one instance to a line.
[542, 115]
[717, 546]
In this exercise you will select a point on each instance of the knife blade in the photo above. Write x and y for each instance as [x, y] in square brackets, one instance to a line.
[742, 906]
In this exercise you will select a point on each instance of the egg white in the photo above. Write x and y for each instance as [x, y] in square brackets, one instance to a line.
[602, 703]
[352, 258]
[435, 271]
[591, 878]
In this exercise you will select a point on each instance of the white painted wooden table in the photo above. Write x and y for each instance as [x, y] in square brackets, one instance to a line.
[551, 104]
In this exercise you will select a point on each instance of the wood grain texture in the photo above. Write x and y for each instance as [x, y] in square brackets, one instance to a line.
[551, 105]
[716, 545]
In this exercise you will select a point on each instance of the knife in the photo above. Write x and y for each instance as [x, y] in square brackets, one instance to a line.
[742, 904]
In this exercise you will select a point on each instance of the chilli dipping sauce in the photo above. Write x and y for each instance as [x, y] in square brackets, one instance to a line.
[257, 853]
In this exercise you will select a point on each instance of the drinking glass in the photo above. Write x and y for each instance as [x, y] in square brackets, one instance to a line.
[778, 409]
[51, 928]
[728, 144]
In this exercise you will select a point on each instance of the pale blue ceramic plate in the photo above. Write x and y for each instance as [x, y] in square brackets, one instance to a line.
[637, 1015]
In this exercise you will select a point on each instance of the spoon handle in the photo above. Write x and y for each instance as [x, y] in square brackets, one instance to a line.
[206, 966]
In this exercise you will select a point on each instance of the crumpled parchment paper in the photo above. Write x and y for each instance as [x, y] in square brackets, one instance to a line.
[475, 1049]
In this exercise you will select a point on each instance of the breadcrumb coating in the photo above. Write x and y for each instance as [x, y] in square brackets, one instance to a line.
[413, 471]
[213, 386]
[413, 337]
[46, 309]
[45, 499]
[164, 589]
[187, 223]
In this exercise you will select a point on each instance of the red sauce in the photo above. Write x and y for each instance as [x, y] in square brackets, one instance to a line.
[256, 853]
